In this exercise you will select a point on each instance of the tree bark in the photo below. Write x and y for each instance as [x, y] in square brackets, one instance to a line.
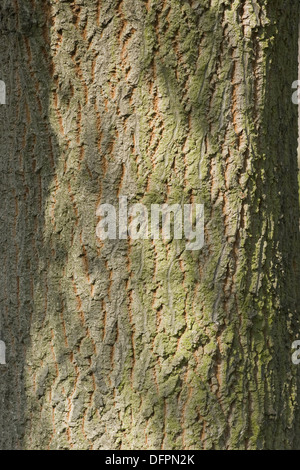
[142, 344]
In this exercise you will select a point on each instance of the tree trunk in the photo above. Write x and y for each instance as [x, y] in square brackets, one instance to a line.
[142, 344]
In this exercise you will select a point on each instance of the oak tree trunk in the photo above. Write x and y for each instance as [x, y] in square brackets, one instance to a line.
[124, 344]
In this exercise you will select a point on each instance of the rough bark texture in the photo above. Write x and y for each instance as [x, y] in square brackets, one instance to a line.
[144, 345]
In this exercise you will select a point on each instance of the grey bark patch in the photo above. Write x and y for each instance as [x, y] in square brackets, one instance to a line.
[2, 353]
[2, 92]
